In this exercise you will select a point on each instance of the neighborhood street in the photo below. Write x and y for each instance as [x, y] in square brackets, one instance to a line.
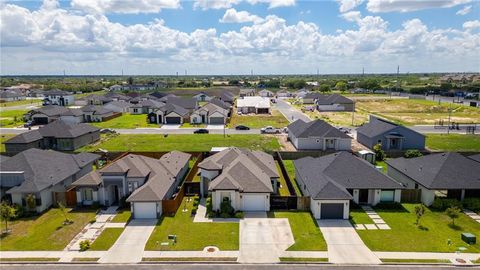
[290, 112]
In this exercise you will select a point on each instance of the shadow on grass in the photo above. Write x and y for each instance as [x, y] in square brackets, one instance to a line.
[454, 227]
[390, 207]
[422, 228]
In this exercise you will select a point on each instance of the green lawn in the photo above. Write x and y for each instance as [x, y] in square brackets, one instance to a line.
[415, 261]
[106, 239]
[3, 138]
[45, 232]
[304, 260]
[192, 236]
[382, 164]
[306, 233]
[188, 125]
[122, 216]
[12, 118]
[291, 173]
[182, 142]
[432, 236]
[358, 216]
[100, 93]
[453, 142]
[283, 189]
[275, 119]
[21, 102]
[127, 121]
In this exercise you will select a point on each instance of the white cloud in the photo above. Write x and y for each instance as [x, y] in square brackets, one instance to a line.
[122, 6]
[378, 6]
[274, 3]
[471, 25]
[351, 16]
[347, 5]
[464, 11]
[224, 4]
[233, 16]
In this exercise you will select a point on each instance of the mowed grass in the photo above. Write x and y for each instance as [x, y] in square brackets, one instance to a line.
[45, 232]
[127, 121]
[275, 119]
[182, 142]
[3, 138]
[12, 118]
[416, 112]
[358, 216]
[122, 216]
[453, 142]
[306, 233]
[192, 236]
[431, 236]
[21, 102]
[290, 168]
[283, 189]
[106, 239]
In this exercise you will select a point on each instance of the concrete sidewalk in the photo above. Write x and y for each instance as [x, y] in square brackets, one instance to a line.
[467, 257]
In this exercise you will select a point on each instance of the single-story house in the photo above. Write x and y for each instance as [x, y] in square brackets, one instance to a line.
[244, 177]
[256, 104]
[311, 97]
[94, 99]
[94, 113]
[37, 93]
[57, 135]
[334, 102]
[301, 93]
[72, 116]
[189, 104]
[44, 173]
[118, 106]
[228, 97]
[143, 181]
[390, 135]
[452, 174]
[247, 92]
[332, 181]
[318, 135]
[58, 97]
[7, 96]
[284, 93]
[266, 93]
[169, 114]
[209, 114]
[202, 96]
[46, 114]
[145, 106]
[117, 97]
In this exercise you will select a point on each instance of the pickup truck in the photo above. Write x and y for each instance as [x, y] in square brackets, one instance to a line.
[271, 130]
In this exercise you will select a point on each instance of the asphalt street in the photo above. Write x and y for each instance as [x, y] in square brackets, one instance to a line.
[289, 112]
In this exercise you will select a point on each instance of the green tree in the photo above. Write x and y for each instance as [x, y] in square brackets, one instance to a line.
[419, 212]
[379, 153]
[31, 202]
[64, 212]
[341, 86]
[324, 87]
[7, 212]
[412, 153]
[453, 213]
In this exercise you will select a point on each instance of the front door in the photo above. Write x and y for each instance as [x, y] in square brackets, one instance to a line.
[363, 196]
[115, 195]
[203, 119]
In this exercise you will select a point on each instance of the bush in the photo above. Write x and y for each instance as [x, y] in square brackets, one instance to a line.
[84, 245]
[379, 153]
[19, 210]
[226, 208]
[92, 221]
[239, 214]
[442, 204]
[472, 204]
[389, 205]
[412, 153]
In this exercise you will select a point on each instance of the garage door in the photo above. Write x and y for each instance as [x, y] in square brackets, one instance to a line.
[173, 120]
[331, 211]
[40, 120]
[263, 110]
[216, 120]
[145, 210]
[254, 203]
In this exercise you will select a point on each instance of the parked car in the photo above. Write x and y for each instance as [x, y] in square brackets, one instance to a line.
[242, 127]
[344, 130]
[28, 124]
[270, 130]
[201, 131]
[107, 131]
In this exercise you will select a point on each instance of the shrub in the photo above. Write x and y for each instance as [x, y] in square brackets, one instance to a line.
[84, 245]
[226, 208]
[472, 204]
[224, 215]
[239, 214]
[194, 212]
[379, 153]
[443, 203]
[453, 213]
[19, 210]
[412, 153]
[92, 221]
[389, 205]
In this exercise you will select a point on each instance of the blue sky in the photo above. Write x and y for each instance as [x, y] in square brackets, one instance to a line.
[271, 36]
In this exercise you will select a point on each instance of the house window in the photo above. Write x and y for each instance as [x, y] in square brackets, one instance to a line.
[87, 194]
[135, 110]
[387, 196]
[132, 186]
[318, 140]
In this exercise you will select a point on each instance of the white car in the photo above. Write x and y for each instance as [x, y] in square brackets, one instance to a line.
[270, 130]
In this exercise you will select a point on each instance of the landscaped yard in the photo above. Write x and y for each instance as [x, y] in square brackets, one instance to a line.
[453, 142]
[358, 216]
[192, 236]
[3, 138]
[182, 142]
[288, 164]
[432, 236]
[123, 215]
[12, 118]
[188, 125]
[126, 121]
[283, 189]
[306, 233]
[275, 119]
[106, 239]
[45, 232]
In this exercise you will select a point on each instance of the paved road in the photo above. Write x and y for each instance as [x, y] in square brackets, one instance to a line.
[29, 106]
[289, 112]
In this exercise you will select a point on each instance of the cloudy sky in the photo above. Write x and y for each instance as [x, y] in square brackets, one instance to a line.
[236, 36]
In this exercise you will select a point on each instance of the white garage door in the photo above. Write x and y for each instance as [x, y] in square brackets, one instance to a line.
[145, 210]
[254, 203]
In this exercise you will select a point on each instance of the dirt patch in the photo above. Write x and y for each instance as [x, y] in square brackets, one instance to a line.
[285, 145]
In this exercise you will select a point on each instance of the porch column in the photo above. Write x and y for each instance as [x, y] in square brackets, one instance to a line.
[324, 146]
[462, 196]
[355, 195]
[79, 197]
[95, 195]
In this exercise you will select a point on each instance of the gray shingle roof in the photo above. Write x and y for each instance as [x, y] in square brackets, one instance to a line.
[440, 171]
[56, 92]
[333, 99]
[90, 179]
[345, 171]
[315, 128]
[169, 107]
[97, 110]
[211, 108]
[220, 103]
[44, 168]
[50, 110]
[377, 126]
[186, 103]
[475, 157]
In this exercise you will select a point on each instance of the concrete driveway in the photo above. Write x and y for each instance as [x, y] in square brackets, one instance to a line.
[262, 239]
[170, 126]
[344, 244]
[130, 245]
[210, 127]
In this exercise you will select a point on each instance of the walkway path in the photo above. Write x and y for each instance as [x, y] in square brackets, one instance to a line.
[344, 244]
[201, 215]
[379, 223]
[130, 245]
[472, 214]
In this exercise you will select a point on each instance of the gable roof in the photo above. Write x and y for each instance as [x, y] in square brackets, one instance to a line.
[227, 96]
[377, 126]
[220, 103]
[254, 101]
[440, 171]
[44, 168]
[211, 108]
[50, 110]
[169, 107]
[119, 104]
[333, 99]
[315, 128]
[186, 103]
[329, 177]
[97, 110]
[475, 157]
[56, 92]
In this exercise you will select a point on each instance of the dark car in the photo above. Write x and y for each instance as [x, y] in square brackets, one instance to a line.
[28, 124]
[201, 131]
[242, 127]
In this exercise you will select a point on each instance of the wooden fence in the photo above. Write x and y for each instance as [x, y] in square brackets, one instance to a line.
[290, 187]
[171, 206]
[114, 115]
[411, 195]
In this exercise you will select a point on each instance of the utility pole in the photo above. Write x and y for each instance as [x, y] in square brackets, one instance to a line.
[449, 117]
[353, 114]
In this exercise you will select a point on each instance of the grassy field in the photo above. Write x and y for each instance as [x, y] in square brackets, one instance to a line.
[182, 142]
[306, 233]
[123, 215]
[106, 239]
[415, 111]
[12, 118]
[192, 236]
[45, 232]
[21, 102]
[3, 138]
[291, 173]
[126, 121]
[283, 189]
[275, 119]
[358, 216]
[101, 92]
[453, 142]
[431, 236]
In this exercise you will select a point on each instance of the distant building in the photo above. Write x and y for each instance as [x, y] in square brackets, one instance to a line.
[58, 97]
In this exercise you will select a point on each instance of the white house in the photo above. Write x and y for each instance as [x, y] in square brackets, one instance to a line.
[58, 97]
[255, 104]
[209, 114]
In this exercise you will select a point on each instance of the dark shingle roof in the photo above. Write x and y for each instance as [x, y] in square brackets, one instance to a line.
[169, 107]
[315, 128]
[475, 157]
[56, 92]
[440, 171]
[50, 110]
[186, 103]
[333, 99]
[97, 110]
[345, 171]
[220, 103]
[377, 126]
